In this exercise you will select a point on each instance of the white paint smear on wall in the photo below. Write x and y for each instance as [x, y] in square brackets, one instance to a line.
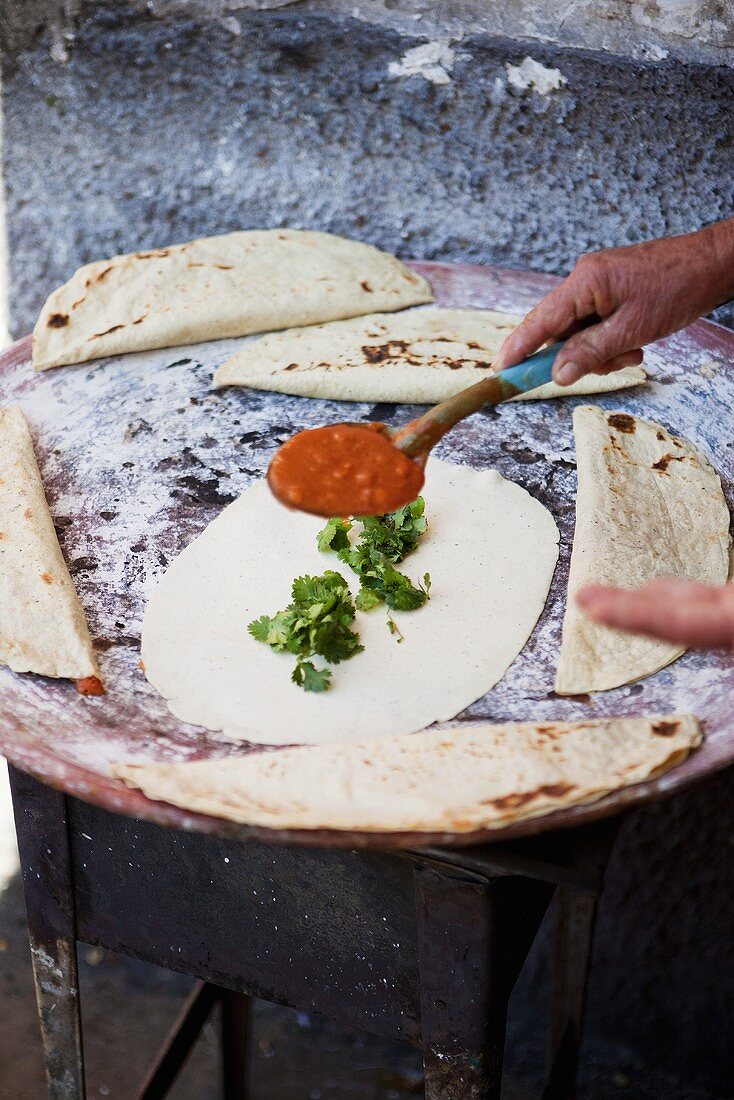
[432, 60]
[531, 74]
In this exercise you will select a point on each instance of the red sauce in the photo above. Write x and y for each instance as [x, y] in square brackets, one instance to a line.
[344, 470]
[90, 685]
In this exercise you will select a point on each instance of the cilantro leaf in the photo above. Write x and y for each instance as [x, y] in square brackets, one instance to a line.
[335, 536]
[310, 678]
[367, 600]
[317, 621]
[399, 591]
[396, 534]
[260, 628]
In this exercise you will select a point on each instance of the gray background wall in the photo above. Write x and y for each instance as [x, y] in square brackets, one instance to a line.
[158, 129]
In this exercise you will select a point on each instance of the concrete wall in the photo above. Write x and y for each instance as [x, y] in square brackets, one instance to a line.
[690, 30]
[158, 129]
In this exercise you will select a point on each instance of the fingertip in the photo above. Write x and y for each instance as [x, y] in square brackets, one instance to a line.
[567, 373]
[589, 595]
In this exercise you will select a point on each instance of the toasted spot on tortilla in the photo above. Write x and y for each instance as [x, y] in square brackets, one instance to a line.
[623, 422]
[665, 729]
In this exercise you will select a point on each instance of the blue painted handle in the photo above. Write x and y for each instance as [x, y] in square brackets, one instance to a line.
[533, 372]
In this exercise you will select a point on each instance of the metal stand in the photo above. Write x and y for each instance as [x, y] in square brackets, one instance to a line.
[421, 946]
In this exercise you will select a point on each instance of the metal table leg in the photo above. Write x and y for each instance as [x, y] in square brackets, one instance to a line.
[474, 935]
[575, 919]
[43, 843]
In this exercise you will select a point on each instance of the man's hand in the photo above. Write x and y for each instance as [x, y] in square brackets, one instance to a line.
[675, 610]
[616, 300]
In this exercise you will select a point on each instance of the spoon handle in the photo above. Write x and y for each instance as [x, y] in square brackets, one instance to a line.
[419, 436]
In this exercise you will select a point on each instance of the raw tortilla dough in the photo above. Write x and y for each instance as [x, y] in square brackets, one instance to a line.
[649, 505]
[42, 624]
[217, 287]
[491, 550]
[457, 780]
[421, 356]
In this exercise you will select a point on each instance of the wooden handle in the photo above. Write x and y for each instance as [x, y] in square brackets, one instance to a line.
[419, 436]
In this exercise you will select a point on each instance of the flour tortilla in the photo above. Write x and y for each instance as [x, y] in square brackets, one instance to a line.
[491, 550]
[457, 780]
[218, 287]
[42, 624]
[422, 356]
[649, 505]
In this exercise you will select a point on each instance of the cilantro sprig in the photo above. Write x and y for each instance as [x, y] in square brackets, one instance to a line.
[383, 542]
[317, 622]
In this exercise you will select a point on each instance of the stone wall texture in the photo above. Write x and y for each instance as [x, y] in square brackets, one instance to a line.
[160, 129]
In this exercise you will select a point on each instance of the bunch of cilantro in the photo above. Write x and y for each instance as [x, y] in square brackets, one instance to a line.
[383, 542]
[318, 620]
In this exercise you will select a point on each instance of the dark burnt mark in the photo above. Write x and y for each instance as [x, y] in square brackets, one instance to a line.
[138, 427]
[660, 435]
[380, 352]
[104, 273]
[203, 491]
[88, 565]
[47, 578]
[58, 320]
[78, 302]
[224, 267]
[365, 286]
[106, 332]
[663, 463]
[126, 641]
[575, 698]
[292, 366]
[623, 422]
[665, 729]
[513, 801]
[155, 255]
[525, 455]
[140, 319]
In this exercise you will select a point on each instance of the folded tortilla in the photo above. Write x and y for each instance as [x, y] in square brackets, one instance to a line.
[458, 780]
[649, 505]
[218, 287]
[42, 624]
[422, 356]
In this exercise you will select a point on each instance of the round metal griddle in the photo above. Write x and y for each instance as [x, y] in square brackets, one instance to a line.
[138, 454]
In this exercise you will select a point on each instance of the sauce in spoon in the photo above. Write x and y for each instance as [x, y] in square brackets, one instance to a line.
[344, 470]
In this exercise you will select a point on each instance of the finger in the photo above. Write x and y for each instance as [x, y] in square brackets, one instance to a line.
[557, 312]
[590, 349]
[698, 615]
[628, 359]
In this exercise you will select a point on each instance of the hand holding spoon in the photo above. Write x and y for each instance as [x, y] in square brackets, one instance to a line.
[368, 468]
